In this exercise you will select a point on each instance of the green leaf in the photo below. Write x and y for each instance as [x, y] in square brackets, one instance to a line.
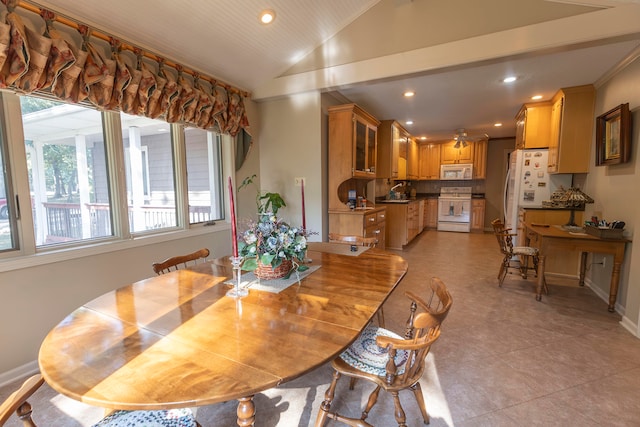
[303, 268]
[250, 264]
[267, 259]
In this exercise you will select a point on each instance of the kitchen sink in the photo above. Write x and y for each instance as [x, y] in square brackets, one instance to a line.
[394, 201]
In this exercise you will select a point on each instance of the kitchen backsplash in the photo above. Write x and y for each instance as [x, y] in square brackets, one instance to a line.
[382, 186]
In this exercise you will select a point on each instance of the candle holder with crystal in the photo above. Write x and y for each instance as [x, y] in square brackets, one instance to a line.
[237, 291]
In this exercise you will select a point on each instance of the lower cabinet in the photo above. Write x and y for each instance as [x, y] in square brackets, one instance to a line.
[366, 223]
[403, 223]
[431, 214]
[477, 215]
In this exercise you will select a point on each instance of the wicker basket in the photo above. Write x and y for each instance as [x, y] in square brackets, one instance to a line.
[266, 272]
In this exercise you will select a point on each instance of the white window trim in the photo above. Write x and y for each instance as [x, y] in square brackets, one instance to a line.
[29, 256]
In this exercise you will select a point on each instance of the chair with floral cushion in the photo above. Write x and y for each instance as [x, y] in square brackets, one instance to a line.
[391, 362]
[175, 262]
[17, 403]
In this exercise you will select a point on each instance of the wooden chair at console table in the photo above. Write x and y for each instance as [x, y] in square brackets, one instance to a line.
[525, 257]
[398, 368]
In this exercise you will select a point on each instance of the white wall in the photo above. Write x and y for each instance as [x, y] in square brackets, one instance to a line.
[615, 192]
[290, 147]
[35, 299]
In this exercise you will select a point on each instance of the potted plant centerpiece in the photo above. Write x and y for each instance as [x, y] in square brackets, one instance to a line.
[271, 248]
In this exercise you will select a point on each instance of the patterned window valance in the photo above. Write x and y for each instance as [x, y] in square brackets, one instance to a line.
[110, 74]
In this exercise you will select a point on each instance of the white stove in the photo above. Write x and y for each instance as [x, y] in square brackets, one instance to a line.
[454, 209]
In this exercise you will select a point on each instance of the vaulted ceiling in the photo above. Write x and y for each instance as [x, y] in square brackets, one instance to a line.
[452, 54]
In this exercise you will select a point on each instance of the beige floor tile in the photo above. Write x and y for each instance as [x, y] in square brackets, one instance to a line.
[503, 358]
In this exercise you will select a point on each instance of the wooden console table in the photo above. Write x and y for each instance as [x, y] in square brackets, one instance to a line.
[545, 237]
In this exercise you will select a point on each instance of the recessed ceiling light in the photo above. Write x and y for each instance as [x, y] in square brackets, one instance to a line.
[536, 97]
[423, 138]
[497, 124]
[409, 94]
[409, 122]
[267, 16]
[509, 79]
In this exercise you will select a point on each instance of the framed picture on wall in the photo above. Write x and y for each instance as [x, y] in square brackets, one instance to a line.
[613, 136]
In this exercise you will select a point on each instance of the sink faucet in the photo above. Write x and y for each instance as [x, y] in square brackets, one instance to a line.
[396, 186]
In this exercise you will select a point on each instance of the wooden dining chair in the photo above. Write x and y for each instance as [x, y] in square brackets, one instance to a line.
[394, 363]
[174, 263]
[18, 403]
[519, 258]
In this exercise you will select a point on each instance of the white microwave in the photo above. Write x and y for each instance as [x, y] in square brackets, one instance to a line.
[462, 171]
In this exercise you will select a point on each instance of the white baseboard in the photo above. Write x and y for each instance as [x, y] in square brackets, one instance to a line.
[18, 373]
[630, 326]
[626, 322]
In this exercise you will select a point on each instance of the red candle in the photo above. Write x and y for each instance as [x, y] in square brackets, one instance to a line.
[304, 218]
[234, 232]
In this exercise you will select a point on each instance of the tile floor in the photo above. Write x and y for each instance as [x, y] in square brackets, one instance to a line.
[503, 358]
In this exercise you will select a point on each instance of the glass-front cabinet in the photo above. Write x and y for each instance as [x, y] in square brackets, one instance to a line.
[364, 147]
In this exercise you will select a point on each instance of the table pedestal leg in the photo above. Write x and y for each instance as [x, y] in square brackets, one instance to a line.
[583, 267]
[540, 284]
[615, 281]
[246, 412]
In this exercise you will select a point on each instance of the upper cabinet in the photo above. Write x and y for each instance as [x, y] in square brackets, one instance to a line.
[480, 159]
[571, 129]
[451, 155]
[429, 167]
[352, 153]
[352, 142]
[533, 125]
[392, 138]
[413, 161]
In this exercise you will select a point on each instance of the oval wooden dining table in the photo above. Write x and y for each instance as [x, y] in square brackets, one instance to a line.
[176, 340]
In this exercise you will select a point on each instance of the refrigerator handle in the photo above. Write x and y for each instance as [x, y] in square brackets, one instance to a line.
[505, 195]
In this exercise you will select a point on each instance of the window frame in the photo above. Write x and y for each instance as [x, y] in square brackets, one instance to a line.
[27, 254]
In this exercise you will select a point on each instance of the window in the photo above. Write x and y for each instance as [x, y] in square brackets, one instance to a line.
[8, 238]
[72, 175]
[204, 174]
[67, 166]
[151, 189]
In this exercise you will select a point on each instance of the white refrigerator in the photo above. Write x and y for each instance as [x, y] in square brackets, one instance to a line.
[527, 183]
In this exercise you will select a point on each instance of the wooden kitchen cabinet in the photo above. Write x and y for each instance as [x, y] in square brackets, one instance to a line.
[392, 137]
[402, 224]
[352, 153]
[429, 155]
[365, 223]
[413, 163]
[571, 129]
[533, 125]
[477, 215]
[422, 205]
[480, 159]
[352, 141]
[450, 155]
[431, 214]
[413, 208]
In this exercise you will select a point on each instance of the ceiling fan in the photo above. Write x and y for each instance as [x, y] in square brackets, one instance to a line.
[462, 138]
